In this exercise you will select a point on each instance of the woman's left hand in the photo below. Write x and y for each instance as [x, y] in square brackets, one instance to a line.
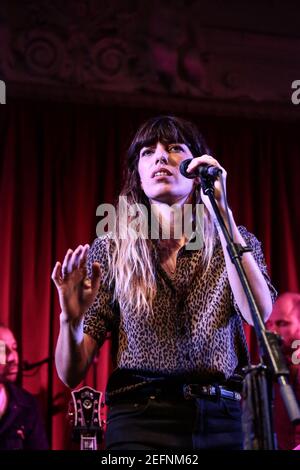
[219, 195]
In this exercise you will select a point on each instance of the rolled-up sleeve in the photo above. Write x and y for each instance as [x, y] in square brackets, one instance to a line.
[258, 255]
[99, 318]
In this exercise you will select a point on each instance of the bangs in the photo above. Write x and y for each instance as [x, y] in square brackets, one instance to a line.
[167, 130]
[162, 130]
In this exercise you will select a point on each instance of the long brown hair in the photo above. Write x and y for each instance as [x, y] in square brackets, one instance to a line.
[132, 271]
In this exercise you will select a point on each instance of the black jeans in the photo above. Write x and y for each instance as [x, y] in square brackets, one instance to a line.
[154, 423]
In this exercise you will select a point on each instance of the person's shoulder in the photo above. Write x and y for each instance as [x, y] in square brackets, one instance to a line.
[22, 396]
[100, 251]
[248, 236]
[244, 231]
[101, 244]
[104, 240]
[256, 246]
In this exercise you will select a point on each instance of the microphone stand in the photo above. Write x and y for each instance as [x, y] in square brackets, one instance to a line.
[273, 365]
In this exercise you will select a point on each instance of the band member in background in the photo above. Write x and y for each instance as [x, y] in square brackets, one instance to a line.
[285, 320]
[175, 314]
[21, 426]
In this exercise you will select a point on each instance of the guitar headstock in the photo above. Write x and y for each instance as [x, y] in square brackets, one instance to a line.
[86, 418]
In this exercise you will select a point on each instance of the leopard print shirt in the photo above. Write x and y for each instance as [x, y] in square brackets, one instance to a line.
[196, 327]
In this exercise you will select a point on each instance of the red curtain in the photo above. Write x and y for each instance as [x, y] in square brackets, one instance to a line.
[59, 162]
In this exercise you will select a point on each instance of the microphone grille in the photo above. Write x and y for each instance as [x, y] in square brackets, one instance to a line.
[183, 167]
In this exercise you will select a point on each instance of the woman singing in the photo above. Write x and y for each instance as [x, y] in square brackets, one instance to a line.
[174, 309]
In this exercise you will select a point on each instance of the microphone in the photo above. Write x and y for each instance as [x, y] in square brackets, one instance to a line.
[206, 171]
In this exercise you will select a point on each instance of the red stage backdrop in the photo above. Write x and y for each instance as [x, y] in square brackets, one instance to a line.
[59, 162]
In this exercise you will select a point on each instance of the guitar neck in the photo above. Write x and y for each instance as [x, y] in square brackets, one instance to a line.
[87, 419]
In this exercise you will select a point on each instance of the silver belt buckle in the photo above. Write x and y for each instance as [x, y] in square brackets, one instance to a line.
[230, 394]
[187, 392]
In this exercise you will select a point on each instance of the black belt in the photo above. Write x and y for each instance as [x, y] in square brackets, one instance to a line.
[176, 391]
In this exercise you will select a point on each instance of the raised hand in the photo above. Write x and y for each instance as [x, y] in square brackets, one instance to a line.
[76, 291]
